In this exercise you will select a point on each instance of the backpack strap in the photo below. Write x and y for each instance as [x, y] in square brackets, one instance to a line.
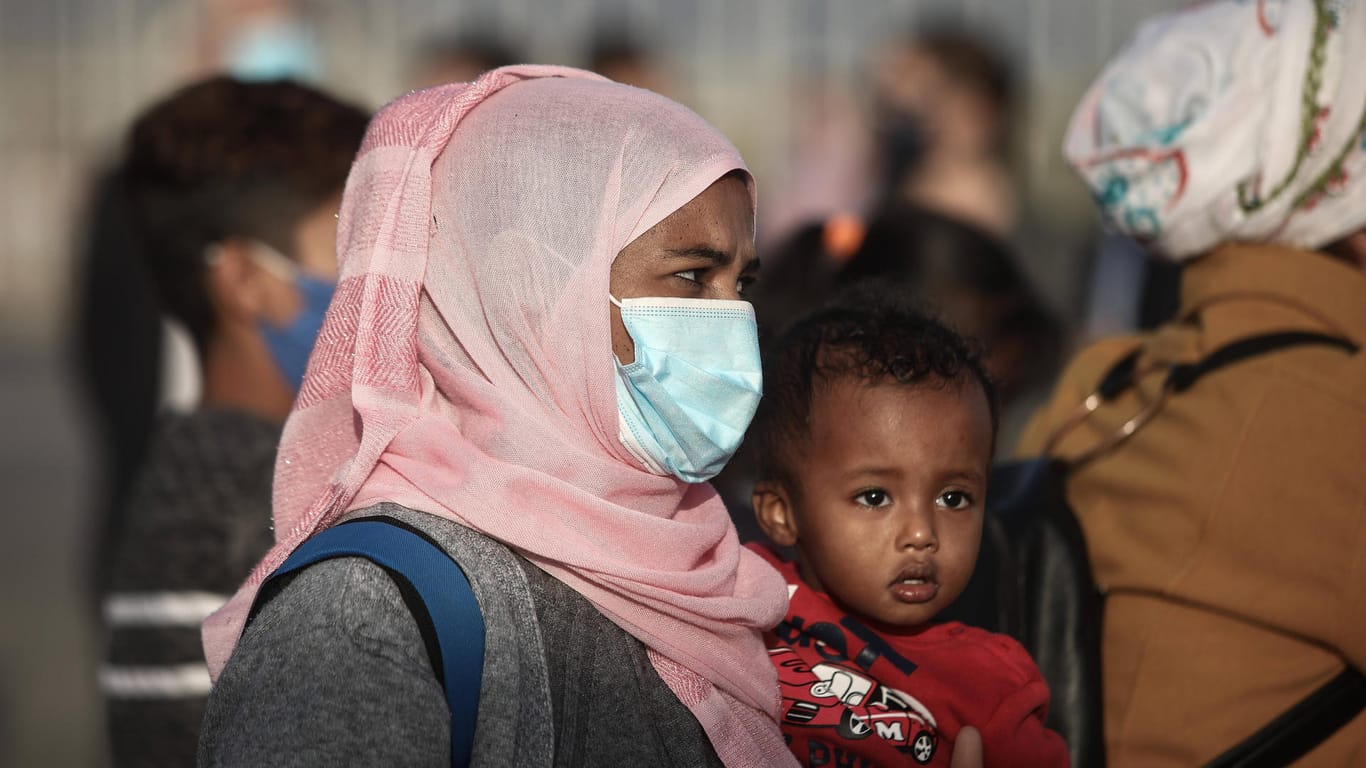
[1181, 376]
[1300, 729]
[436, 592]
[1122, 374]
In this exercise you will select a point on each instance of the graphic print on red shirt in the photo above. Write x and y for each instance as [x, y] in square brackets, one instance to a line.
[839, 697]
[855, 696]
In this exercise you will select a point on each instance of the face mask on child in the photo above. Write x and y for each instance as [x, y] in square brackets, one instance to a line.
[685, 402]
[291, 344]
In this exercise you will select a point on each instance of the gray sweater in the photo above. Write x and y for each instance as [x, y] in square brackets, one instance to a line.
[333, 671]
[197, 521]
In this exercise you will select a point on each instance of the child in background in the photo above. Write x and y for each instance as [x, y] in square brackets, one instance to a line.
[874, 440]
[221, 212]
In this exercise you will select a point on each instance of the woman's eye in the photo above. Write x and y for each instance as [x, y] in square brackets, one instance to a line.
[874, 497]
[744, 286]
[691, 275]
[955, 500]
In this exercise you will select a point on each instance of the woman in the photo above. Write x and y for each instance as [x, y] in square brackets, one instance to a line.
[1228, 528]
[464, 384]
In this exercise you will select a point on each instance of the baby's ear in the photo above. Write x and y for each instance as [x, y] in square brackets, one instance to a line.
[773, 508]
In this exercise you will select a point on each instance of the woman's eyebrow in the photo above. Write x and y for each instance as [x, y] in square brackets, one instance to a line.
[719, 258]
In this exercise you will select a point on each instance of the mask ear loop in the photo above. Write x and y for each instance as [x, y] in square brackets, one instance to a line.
[614, 300]
[266, 258]
[274, 262]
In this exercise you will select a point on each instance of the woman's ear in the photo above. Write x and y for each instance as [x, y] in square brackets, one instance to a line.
[773, 509]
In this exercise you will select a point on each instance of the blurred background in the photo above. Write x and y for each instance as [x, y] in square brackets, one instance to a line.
[810, 91]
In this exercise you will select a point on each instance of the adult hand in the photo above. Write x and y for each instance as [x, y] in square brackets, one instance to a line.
[967, 750]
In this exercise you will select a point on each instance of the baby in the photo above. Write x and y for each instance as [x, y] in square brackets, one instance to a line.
[874, 440]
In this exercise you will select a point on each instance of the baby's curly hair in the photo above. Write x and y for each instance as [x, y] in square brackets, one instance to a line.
[866, 333]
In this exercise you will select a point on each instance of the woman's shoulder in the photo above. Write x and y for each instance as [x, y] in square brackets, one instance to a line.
[353, 601]
[485, 560]
[334, 642]
[339, 634]
[338, 604]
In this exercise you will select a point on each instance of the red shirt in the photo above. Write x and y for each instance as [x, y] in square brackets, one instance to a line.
[853, 696]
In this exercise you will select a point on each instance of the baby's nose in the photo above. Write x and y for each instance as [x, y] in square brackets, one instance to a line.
[917, 532]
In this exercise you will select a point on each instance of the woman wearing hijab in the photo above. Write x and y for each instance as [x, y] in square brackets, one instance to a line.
[536, 354]
[1228, 528]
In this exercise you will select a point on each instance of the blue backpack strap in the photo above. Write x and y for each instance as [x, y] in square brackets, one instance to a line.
[444, 606]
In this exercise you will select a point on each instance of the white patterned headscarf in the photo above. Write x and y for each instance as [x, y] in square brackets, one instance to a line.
[1234, 120]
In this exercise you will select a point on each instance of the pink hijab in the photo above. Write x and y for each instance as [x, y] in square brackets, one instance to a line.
[465, 369]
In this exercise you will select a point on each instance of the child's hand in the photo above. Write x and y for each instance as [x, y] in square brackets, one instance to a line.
[967, 750]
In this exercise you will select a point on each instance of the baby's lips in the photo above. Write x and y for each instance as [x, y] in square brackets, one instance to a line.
[922, 570]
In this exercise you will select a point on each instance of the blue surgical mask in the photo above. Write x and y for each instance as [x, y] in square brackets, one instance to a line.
[685, 402]
[290, 345]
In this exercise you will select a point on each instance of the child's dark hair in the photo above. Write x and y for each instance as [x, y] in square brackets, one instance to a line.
[867, 333]
[223, 158]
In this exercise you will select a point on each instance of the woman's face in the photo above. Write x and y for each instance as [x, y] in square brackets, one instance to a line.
[704, 250]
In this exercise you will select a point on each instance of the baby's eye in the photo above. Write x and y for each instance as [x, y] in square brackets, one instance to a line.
[873, 497]
[954, 500]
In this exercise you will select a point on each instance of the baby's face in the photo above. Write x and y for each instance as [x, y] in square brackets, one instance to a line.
[888, 518]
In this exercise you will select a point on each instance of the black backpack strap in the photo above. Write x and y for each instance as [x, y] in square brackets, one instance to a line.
[1120, 376]
[1180, 377]
[1298, 730]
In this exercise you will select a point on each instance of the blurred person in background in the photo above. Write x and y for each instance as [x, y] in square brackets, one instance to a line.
[1227, 528]
[972, 280]
[461, 58]
[802, 272]
[120, 354]
[968, 276]
[220, 213]
[943, 111]
[937, 135]
[627, 58]
[258, 40]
